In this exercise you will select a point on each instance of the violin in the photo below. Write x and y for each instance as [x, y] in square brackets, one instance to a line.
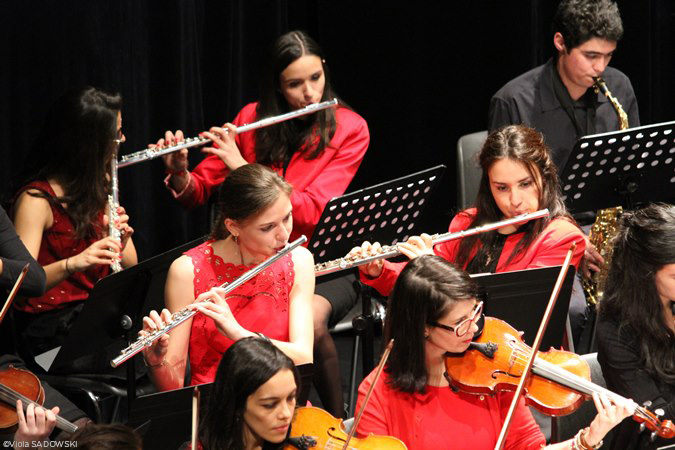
[560, 380]
[19, 384]
[315, 428]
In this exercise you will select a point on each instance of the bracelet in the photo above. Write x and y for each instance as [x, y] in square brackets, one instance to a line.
[582, 440]
[67, 269]
[152, 366]
[262, 336]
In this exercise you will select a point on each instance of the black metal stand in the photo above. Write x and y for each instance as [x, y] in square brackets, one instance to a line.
[110, 320]
[387, 213]
[624, 168]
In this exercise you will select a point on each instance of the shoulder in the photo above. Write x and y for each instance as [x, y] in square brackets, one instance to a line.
[182, 269]
[248, 113]
[520, 85]
[30, 200]
[350, 120]
[616, 80]
[462, 219]
[302, 259]
[562, 226]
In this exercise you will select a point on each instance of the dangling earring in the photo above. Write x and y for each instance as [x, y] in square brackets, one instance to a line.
[236, 241]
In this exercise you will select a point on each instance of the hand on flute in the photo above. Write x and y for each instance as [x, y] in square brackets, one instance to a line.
[224, 145]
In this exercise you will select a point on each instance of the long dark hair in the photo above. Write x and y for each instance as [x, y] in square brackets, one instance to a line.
[245, 366]
[246, 192]
[425, 291]
[275, 145]
[643, 245]
[525, 145]
[75, 147]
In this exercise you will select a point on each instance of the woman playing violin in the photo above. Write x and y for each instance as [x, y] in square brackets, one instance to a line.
[253, 398]
[433, 309]
[518, 178]
[636, 326]
[254, 223]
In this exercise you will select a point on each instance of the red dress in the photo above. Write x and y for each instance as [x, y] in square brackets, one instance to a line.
[58, 242]
[314, 181]
[260, 305]
[443, 419]
[548, 249]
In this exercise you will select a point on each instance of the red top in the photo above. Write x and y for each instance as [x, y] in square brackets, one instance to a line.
[548, 249]
[314, 181]
[59, 242]
[260, 305]
[442, 419]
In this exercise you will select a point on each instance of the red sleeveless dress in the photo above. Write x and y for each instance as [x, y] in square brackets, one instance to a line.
[259, 305]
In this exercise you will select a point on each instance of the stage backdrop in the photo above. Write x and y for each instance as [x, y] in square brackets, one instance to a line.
[420, 73]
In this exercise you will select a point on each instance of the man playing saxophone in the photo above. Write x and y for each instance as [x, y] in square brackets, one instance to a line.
[557, 98]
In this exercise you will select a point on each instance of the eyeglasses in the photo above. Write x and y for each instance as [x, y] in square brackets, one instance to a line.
[465, 325]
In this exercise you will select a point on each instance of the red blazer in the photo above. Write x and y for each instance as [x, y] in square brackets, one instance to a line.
[548, 249]
[314, 181]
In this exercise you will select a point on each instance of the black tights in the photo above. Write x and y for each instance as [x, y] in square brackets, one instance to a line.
[327, 380]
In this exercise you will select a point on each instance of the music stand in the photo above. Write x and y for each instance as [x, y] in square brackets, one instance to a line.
[520, 299]
[386, 212]
[110, 319]
[624, 168]
[166, 416]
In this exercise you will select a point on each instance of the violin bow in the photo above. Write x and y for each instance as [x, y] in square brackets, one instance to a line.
[380, 366]
[535, 347]
[13, 292]
[196, 396]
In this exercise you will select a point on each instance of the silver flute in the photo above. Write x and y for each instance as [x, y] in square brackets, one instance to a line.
[155, 152]
[113, 204]
[389, 251]
[184, 314]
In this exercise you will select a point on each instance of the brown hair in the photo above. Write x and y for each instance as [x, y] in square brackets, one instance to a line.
[245, 193]
[525, 145]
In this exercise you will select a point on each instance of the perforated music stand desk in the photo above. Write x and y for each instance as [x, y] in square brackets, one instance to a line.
[98, 334]
[624, 168]
[386, 213]
[520, 299]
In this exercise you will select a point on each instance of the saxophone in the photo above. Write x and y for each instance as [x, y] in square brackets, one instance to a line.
[601, 236]
[606, 222]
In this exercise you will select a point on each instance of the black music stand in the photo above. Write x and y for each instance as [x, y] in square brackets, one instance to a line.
[387, 213]
[520, 298]
[110, 320]
[166, 417]
[624, 168]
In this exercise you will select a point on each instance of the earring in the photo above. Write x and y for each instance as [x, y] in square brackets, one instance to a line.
[235, 238]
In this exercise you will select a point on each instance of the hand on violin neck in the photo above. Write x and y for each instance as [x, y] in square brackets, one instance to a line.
[35, 424]
[610, 413]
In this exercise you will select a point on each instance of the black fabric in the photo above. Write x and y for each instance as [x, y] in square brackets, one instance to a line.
[14, 257]
[488, 264]
[342, 291]
[619, 357]
[581, 112]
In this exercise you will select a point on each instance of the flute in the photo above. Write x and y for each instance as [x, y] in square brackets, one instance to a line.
[113, 204]
[389, 251]
[184, 314]
[155, 152]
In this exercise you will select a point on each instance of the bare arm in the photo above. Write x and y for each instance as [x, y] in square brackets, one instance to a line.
[167, 357]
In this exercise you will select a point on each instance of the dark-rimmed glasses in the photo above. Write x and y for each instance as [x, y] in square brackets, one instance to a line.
[465, 325]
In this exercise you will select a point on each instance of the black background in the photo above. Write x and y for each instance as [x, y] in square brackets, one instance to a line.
[420, 73]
